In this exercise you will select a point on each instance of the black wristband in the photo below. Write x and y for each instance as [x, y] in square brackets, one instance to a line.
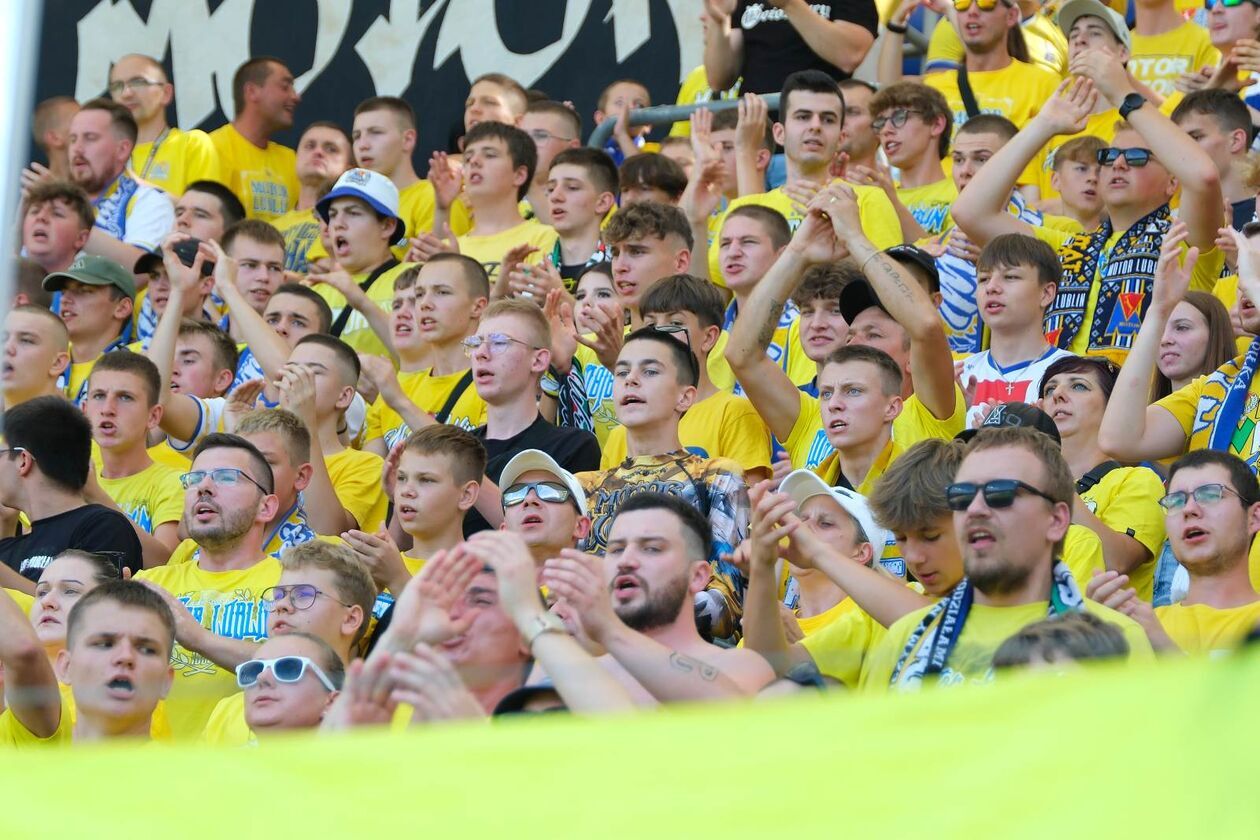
[896, 28]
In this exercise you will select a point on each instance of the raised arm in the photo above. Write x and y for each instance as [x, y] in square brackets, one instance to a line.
[30, 686]
[268, 347]
[225, 652]
[323, 507]
[666, 674]
[772, 393]
[888, 68]
[1201, 200]
[356, 298]
[980, 209]
[180, 412]
[931, 365]
[751, 156]
[1131, 430]
[723, 44]
[585, 686]
[840, 43]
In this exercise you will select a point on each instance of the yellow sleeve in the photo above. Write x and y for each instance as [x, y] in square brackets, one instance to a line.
[14, 734]
[744, 436]
[23, 600]
[840, 648]
[1056, 239]
[879, 218]
[461, 218]
[1139, 645]
[1207, 56]
[169, 505]
[803, 430]
[614, 451]
[373, 428]
[226, 726]
[1183, 404]
[877, 667]
[358, 483]
[945, 49]
[201, 158]
[1132, 504]
[1083, 554]
[1207, 270]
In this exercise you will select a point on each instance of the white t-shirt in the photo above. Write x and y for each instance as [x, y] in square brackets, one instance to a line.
[150, 218]
[994, 384]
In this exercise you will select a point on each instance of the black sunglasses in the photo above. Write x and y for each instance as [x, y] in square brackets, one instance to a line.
[1132, 157]
[998, 493]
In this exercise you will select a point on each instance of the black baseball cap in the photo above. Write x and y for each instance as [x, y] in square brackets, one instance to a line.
[859, 296]
[913, 254]
[1016, 414]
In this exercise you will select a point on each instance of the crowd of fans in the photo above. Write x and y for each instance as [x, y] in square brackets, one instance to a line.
[902, 385]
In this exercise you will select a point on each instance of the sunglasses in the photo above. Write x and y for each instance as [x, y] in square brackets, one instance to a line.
[985, 5]
[998, 493]
[286, 669]
[548, 491]
[301, 595]
[225, 476]
[1205, 494]
[898, 117]
[1132, 157]
[1229, 4]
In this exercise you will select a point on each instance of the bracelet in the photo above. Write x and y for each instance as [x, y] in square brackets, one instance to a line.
[896, 28]
[862, 267]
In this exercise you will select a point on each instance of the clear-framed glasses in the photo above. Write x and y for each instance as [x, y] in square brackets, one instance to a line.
[301, 595]
[137, 83]
[223, 476]
[498, 343]
[542, 135]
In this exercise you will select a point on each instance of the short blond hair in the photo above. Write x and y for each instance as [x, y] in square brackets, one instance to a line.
[351, 578]
[536, 322]
[297, 438]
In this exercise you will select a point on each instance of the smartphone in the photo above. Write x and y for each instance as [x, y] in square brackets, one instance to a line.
[186, 250]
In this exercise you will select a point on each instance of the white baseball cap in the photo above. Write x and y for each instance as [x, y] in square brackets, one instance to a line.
[803, 485]
[1114, 21]
[372, 187]
[528, 460]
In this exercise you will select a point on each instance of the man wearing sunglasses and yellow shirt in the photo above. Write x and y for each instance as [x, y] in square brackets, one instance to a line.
[1012, 503]
[1108, 273]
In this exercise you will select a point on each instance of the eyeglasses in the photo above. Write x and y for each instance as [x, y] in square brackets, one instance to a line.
[998, 493]
[542, 135]
[1229, 4]
[301, 595]
[1132, 157]
[12, 449]
[286, 669]
[985, 5]
[139, 83]
[548, 491]
[898, 118]
[498, 343]
[674, 329]
[224, 476]
[1205, 494]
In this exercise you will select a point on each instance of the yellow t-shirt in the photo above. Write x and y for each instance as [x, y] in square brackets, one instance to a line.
[1016, 92]
[814, 623]
[489, 250]
[1206, 271]
[840, 647]
[1159, 60]
[429, 393]
[930, 204]
[181, 158]
[983, 633]
[14, 734]
[1198, 628]
[1195, 407]
[1047, 46]
[358, 332]
[356, 476]
[265, 180]
[695, 88]
[720, 426]
[230, 604]
[24, 601]
[150, 498]
[226, 726]
[163, 454]
[807, 443]
[829, 471]
[1082, 554]
[879, 219]
[300, 229]
[1127, 501]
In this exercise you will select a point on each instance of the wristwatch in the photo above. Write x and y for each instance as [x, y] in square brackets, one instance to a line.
[542, 623]
[1130, 104]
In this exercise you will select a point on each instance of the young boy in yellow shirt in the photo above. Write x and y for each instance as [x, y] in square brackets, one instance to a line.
[437, 481]
[436, 306]
[384, 137]
[123, 407]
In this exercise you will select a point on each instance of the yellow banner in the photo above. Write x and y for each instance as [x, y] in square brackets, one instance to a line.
[1169, 750]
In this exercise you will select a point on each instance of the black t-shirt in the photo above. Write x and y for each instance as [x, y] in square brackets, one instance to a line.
[773, 49]
[576, 450]
[93, 528]
[1242, 212]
